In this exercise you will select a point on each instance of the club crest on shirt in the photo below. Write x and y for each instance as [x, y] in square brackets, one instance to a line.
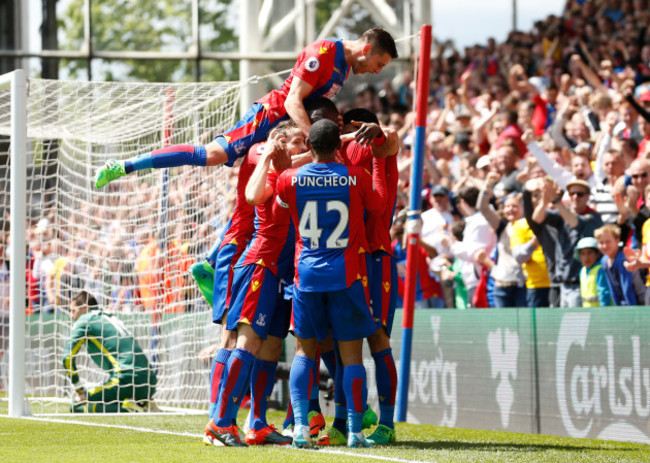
[312, 64]
[255, 285]
[386, 286]
[261, 320]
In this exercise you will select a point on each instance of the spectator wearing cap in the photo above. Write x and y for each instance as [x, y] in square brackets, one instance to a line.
[558, 232]
[594, 288]
[580, 166]
[508, 276]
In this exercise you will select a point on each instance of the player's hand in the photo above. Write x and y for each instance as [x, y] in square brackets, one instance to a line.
[80, 395]
[367, 132]
[277, 150]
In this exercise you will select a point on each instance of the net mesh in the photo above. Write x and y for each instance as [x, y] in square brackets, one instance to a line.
[130, 243]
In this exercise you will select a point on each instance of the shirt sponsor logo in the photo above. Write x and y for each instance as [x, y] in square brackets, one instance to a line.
[349, 180]
[312, 64]
[255, 285]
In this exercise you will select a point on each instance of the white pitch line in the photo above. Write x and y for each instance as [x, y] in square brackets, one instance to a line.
[187, 434]
[372, 457]
[103, 425]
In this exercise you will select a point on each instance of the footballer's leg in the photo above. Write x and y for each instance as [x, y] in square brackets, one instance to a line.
[300, 382]
[224, 149]
[203, 273]
[262, 382]
[263, 375]
[384, 295]
[351, 322]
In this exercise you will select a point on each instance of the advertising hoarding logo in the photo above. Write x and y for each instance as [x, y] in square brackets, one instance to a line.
[503, 347]
[599, 389]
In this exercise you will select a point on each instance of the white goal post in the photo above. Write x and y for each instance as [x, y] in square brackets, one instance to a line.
[130, 243]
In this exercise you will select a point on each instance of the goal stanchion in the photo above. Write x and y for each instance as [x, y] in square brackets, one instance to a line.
[17, 85]
[106, 241]
[414, 223]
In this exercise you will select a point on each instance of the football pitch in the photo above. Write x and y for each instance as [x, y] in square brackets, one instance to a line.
[177, 438]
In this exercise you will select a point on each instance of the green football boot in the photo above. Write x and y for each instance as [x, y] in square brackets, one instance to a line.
[369, 418]
[203, 274]
[382, 435]
[108, 172]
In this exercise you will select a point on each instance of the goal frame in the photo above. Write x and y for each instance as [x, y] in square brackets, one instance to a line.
[17, 81]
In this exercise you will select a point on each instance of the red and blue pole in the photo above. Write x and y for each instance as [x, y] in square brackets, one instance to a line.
[414, 223]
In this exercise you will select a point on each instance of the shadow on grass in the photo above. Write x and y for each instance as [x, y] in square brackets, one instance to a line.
[506, 446]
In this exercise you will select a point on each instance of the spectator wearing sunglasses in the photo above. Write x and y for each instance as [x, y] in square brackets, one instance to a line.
[558, 228]
[634, 205]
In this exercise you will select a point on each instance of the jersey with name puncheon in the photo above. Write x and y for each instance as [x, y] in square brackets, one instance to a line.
[377, 223]
[320, 64]
[327, 202]
[273, 242]
[240, 228]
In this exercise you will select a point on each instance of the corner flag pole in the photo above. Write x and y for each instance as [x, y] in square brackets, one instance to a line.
[414, 223]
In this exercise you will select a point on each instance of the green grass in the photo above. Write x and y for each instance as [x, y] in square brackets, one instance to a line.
[33, 440]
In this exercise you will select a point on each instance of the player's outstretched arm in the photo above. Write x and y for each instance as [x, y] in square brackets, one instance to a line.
[294, 106]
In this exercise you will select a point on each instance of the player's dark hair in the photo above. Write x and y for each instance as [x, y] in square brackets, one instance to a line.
[380, 42]
[324, 137]
[359, 115]
[85, 298]
[321, 108]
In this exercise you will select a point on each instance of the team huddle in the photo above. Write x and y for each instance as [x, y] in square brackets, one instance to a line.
[307, 250]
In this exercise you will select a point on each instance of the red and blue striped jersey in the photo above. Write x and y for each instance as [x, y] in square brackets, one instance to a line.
[240, 228]
[377, 223]
[327, 203]
[273, 242]
[322, 65]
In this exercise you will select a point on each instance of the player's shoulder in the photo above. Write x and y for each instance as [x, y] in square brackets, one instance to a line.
[322, 46]
[359, 170]
[288, 173]
[255, 153]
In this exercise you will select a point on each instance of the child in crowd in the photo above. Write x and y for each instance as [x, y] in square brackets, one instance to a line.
[625, 287]
[594, 288]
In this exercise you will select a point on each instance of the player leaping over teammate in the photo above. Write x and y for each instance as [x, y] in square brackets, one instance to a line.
[321, 70]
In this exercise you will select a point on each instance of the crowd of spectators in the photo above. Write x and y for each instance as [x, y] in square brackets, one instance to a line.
[532, 146]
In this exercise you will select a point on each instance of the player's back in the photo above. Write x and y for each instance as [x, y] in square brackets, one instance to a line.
[109, 342]
[377, 223]
[327, 202]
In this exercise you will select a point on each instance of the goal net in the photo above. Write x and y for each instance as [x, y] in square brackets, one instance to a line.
[131, 243]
